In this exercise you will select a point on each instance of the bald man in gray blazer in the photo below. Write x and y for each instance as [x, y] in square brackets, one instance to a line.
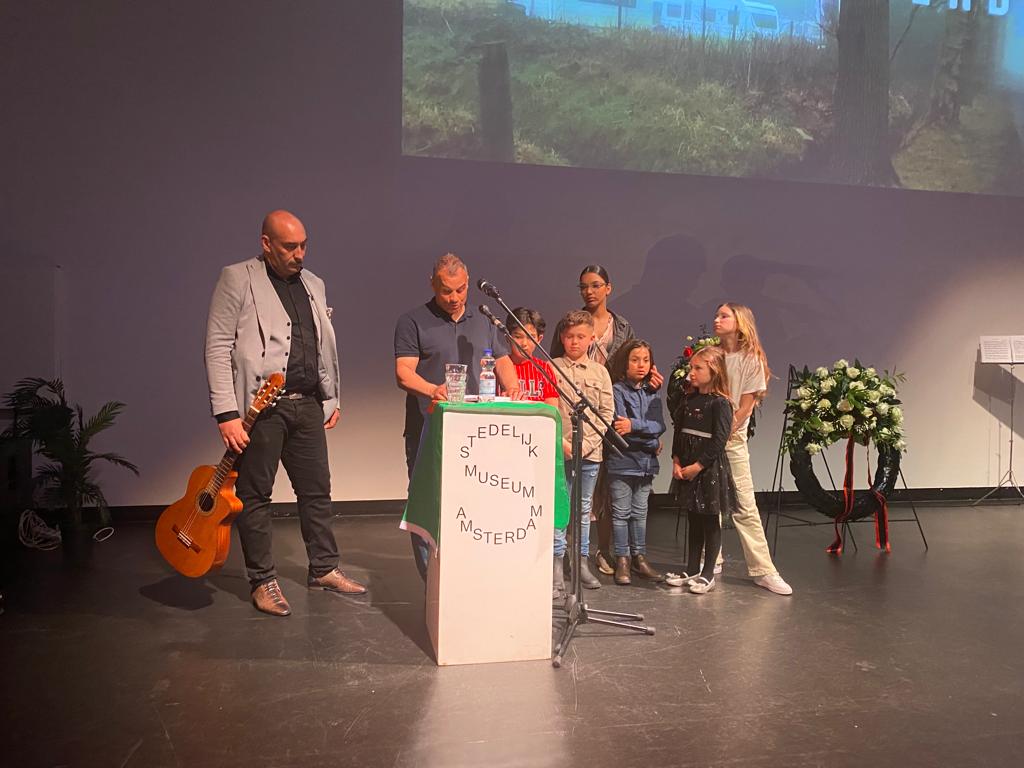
[270, 314]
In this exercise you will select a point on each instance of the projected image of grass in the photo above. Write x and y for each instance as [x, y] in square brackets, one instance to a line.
[720, 87]
[626, 99]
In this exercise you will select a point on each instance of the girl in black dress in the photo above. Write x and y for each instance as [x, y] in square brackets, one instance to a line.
[703, 424]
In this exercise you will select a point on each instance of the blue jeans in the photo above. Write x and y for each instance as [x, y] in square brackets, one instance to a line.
[629, 495]
[588, 479]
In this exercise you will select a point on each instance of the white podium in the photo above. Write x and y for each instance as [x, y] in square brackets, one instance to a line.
[484, 494]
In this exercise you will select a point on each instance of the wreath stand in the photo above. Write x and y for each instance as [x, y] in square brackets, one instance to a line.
[793, 381]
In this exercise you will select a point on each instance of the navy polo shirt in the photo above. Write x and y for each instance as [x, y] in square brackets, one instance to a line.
[429, 333]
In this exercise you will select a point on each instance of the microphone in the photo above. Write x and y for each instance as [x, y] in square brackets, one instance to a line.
[486, 312]
[489, 289]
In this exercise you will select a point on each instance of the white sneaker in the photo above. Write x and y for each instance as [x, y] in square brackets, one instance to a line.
[774, 583]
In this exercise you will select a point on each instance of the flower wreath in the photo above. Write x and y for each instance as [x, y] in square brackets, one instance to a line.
[861, 406]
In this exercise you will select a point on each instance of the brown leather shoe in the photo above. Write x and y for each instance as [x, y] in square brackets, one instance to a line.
[604, 564]
[336, 581]
[622, 571]
[642, 567]
[267, 597]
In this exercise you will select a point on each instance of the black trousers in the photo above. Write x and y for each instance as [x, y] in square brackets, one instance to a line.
[291, 433]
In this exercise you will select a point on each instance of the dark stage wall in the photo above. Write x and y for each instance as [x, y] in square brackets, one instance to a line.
[144, 142]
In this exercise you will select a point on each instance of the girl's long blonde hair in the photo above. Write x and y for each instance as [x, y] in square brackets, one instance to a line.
[749, 341]
[715, 359]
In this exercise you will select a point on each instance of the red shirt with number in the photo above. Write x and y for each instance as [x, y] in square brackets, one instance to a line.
[532, 383]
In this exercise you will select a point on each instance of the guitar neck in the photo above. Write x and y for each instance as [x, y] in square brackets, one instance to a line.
[227, 463]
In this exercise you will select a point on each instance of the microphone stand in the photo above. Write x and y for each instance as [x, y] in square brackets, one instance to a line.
[576, 609]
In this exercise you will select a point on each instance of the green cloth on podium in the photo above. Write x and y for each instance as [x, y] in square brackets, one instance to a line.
[422, 511]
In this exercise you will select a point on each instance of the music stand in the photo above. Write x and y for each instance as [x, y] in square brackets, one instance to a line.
[1002, 350]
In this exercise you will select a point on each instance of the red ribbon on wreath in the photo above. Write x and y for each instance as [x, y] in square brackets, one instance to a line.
[849, 494]
[881, 517]
[836, 547]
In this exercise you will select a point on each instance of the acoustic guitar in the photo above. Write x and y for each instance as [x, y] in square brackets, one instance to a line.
[194, 533]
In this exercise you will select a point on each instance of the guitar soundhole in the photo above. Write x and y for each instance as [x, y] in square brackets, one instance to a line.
[205, 502]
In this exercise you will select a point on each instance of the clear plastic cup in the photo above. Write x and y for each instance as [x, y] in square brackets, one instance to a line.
[455, 379]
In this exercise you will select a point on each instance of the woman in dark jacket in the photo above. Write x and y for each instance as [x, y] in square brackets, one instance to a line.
[611, 331]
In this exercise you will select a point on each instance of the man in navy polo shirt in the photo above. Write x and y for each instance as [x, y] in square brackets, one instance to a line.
[444, 330]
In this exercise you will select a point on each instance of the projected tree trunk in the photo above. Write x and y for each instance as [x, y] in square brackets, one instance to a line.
[861, 151]
[496, 104]
[954, 77]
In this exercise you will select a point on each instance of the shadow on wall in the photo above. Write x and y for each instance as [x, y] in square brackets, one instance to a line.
[663, 307]
[994, 387]
[794, 303]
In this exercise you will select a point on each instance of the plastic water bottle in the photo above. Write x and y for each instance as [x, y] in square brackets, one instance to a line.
[488, 381]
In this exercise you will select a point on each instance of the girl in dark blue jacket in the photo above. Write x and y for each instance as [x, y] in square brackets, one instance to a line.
[639, 420]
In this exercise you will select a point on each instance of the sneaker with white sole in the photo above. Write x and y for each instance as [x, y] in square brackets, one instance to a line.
[774, 583]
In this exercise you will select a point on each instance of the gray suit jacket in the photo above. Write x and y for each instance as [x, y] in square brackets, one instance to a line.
[246, 337]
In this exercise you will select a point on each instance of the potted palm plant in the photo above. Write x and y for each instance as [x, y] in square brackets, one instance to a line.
[61, 435]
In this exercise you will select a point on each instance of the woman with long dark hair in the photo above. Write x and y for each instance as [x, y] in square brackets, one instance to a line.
[611, 331]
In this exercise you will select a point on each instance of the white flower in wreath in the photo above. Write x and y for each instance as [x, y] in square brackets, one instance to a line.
[873, 396]
[821, 372]
[866, 411]
[901, 444]
[813, 448]
[882, 409]
[846, 421]
[886, 390]
[844, 406]
[853, 373]
[897, 414]
[827, 428]
[806, 405]
[872, 423]
[857, 386]
[827, 384]
[804, 392]
[870, 372]
[885, 433]
[840, 364]
[824, 404]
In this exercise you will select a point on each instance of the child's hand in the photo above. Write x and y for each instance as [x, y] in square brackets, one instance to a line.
[622, 425]
[677, 470]
[690, 471]
[656, 378]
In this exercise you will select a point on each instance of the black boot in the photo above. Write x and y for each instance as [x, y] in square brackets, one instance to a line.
[557, 579]
[588, 579]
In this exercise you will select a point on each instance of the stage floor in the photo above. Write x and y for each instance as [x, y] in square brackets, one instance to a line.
[909, 659]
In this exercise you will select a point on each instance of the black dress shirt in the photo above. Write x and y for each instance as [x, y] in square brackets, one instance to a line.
[303, 374]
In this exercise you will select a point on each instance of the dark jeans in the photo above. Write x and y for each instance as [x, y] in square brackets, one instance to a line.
[291, 433]
[420, 548]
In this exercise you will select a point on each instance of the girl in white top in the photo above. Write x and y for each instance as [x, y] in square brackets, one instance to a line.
[748, 372]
